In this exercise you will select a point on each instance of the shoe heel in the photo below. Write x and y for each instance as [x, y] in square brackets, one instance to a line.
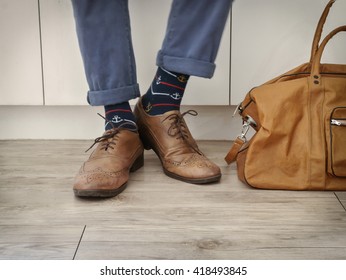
[139, 162]
[146, 143]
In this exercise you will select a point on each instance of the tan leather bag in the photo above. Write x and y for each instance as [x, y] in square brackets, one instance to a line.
[300, 126]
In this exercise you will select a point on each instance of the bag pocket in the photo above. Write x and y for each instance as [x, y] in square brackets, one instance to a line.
[338, 142]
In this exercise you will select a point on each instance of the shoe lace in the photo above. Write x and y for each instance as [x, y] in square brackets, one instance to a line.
[179, 129]
[111, 136]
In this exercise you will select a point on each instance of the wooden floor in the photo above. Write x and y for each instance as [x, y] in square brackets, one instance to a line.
[156, 217]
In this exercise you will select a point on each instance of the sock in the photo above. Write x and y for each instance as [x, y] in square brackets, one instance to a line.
[165, 93]
[118, 114]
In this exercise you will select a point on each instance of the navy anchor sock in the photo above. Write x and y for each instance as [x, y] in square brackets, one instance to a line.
[165, 93]
[118, 114]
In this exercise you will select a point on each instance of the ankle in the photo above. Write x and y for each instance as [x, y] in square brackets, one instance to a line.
[119, 115]
[165, 93]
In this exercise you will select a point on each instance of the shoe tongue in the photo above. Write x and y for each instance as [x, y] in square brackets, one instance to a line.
[173, 112]
[131, 127]
[109, 131]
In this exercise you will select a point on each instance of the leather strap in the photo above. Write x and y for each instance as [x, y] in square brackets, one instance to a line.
[233, 152]
[317, 59]
[319, 29]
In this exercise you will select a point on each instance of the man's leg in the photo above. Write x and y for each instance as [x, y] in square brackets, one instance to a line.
[104, 35]
[193, 36]
[190, 47]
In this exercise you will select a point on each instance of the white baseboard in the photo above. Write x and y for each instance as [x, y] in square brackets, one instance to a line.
[82, 122]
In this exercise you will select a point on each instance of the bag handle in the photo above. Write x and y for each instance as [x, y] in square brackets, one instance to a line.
[317, 59]
[319, 29]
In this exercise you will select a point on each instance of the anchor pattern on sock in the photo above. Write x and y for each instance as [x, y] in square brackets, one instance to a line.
[118, 114]
[165, 92]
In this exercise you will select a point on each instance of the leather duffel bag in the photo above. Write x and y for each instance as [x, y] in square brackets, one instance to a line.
[299, 120]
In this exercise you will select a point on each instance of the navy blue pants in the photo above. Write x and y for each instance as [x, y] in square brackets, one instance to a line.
[190, 46]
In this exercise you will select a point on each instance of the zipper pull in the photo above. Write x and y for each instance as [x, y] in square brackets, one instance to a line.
[335, 122]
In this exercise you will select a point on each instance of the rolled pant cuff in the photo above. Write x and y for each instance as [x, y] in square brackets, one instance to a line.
[113, 96]
[188, 66]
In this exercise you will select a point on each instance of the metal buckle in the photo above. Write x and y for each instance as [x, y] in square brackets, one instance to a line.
[247, 122]
[250, 121]
[244, 131]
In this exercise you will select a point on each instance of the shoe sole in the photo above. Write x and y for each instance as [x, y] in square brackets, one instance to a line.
[199, 181]
[138, 163]
[100, 193]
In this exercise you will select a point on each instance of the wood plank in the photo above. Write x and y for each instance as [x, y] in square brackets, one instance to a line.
[226, 230]
[38, 242]
[342, 198]
[196, 251]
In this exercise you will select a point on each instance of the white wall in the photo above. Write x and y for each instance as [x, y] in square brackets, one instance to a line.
[271, 37]
[82, 122]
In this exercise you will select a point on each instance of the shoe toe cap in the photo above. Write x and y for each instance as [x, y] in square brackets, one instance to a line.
[194, 168]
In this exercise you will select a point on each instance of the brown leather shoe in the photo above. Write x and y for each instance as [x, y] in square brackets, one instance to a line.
[106, 172]
[170, 138]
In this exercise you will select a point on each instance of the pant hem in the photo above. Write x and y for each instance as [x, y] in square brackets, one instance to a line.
[188, 66]
[113, 96]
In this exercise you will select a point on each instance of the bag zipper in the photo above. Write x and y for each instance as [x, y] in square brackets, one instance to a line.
[338, 122]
